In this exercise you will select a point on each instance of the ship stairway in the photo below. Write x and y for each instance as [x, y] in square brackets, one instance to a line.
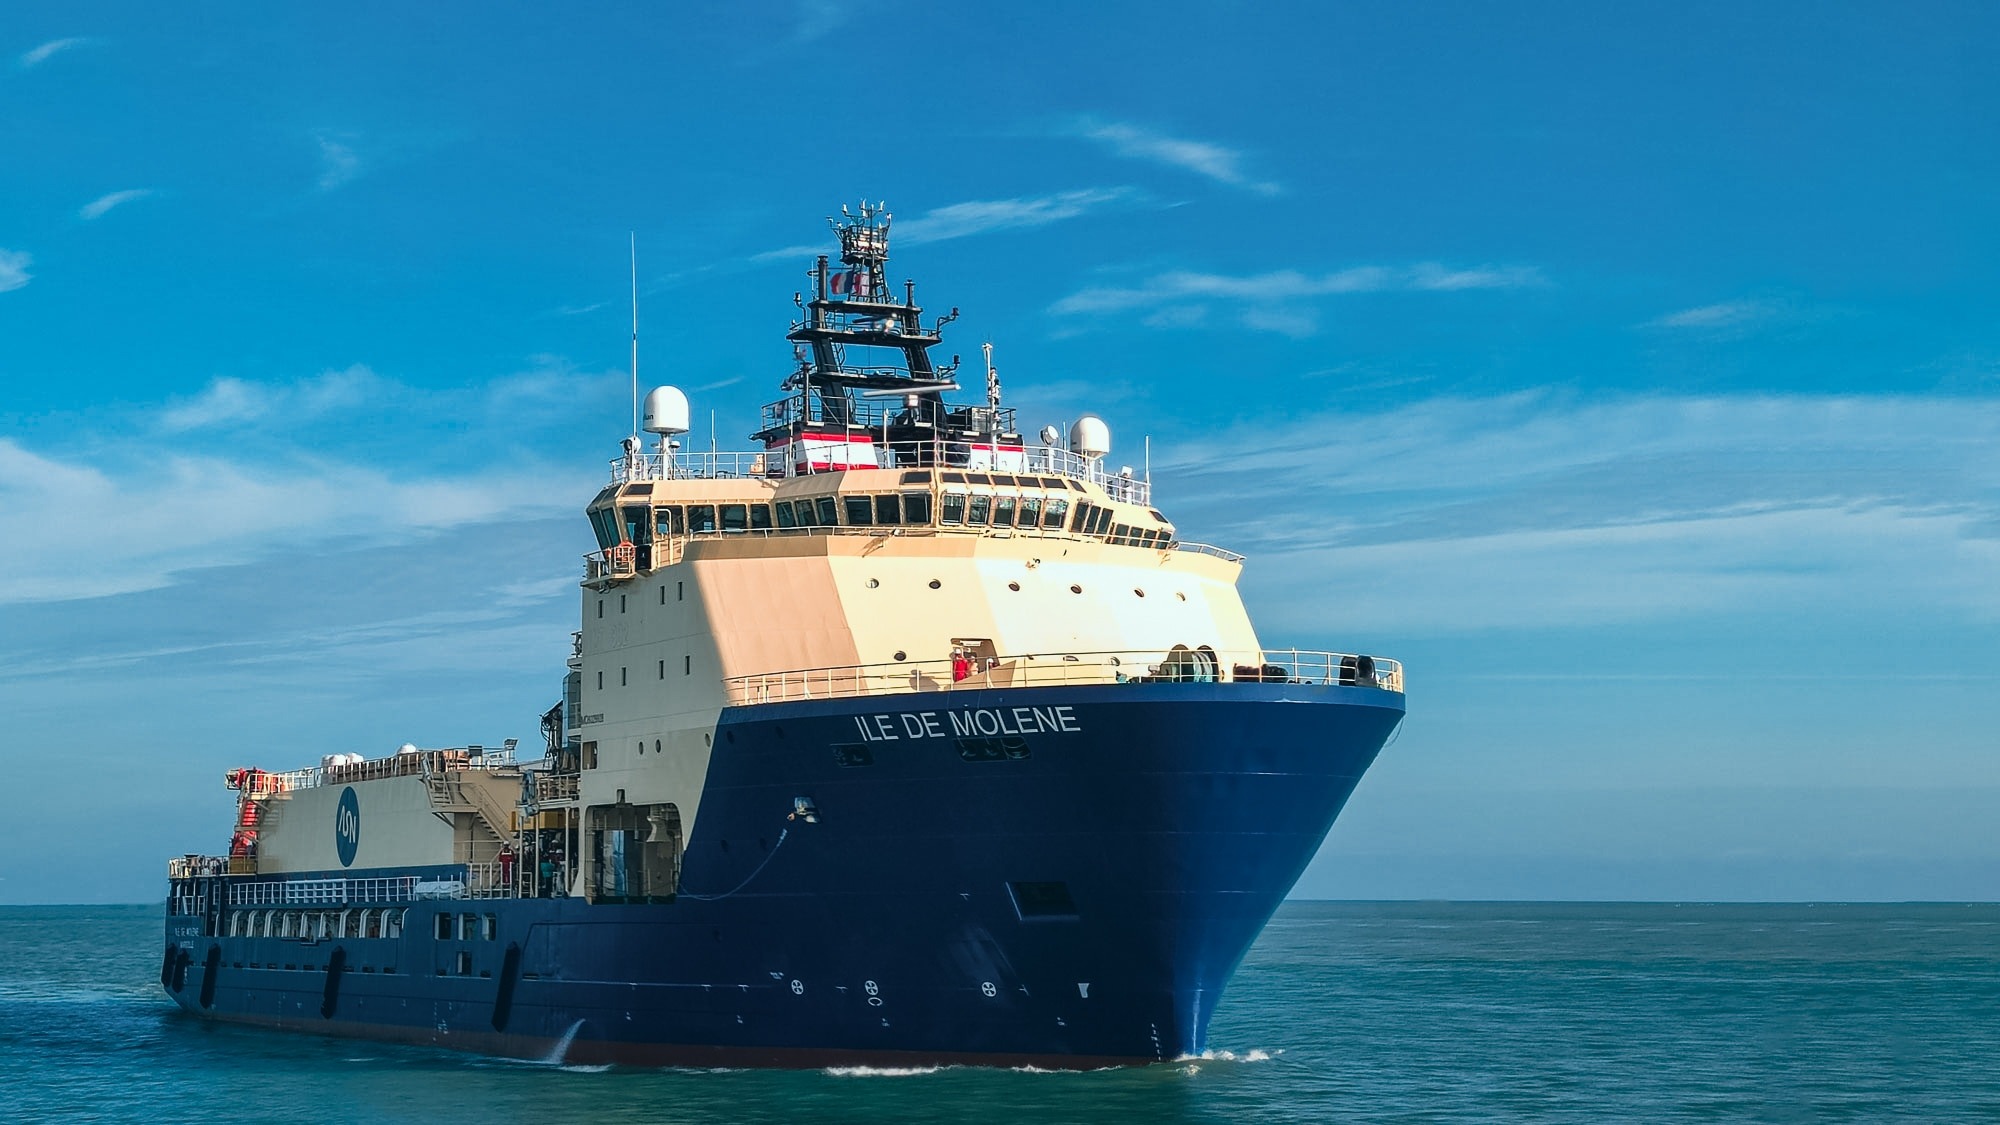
[450, 797]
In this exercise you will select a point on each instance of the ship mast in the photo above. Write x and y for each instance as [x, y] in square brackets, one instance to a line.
[865, 364]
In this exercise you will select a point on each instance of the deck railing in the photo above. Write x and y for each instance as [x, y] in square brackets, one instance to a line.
[1181, 665]
[415, 763]
[1120, 483]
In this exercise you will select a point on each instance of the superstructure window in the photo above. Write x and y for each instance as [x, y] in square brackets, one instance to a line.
[860, 511]
[1052, 516]
[701, 517]
[829, 513]
[669, 521]
[1081, 524]
[443, 927]
[1003, 511]
[1102, 521]
[887, 511]
[601, 524]
[917, 507]
[760, 517]
[638, 524]
[785, 519]
[1031, 511]
[736, 517]
[954, 508]
[916, 476]
[979, 510]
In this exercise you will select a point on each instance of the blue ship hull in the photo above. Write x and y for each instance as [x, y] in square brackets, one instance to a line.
[1058, 876]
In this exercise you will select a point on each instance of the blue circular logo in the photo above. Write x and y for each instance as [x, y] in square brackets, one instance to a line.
[347, 826]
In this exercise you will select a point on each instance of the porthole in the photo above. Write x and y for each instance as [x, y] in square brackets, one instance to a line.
[872, 583]
[1138, 592]
[935, 583]
[1180, 595]
[1075, 589]
[901, 655]
[1014, 586]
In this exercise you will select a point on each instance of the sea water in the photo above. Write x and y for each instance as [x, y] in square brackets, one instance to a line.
[1343, 1012]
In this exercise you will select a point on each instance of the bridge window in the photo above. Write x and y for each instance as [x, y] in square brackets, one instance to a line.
[1052, 516]
[917, 507]
[392, 924]
[1101, 521]
[828, 511]
[785, 514]
[1003, 511]
[887, 510]
[1121, 533]
[601, 523]
[637, 523]
[1084, 511]
[954, 508]
[860, 511]
[736, 517]
[701, 517]
[669, 521]
[980, 510]
[1031, 511]
[760, 517]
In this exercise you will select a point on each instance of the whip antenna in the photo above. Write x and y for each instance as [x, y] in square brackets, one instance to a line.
[635, 332]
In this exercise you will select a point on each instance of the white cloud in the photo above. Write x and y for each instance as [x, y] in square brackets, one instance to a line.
[41, 54]
[229, 401]
[97, 207]
[817, 19]
[338, 164]
[146, 520]
[1729, 314]
[960, 220]
[1203, 158]
[14, 269]
[1185, 287]
[803, 250]
[1531, 510]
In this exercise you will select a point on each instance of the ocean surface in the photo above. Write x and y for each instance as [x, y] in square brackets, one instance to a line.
[1344, 1012]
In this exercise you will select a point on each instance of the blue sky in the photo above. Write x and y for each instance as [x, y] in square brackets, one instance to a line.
[1631, 372]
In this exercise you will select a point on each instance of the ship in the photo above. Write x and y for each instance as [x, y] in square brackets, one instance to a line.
[898, 738]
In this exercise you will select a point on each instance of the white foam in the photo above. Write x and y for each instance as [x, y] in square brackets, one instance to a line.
[881, 1071]
[1255, 1054]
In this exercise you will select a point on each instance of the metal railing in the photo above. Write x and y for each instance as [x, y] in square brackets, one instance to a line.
[416, 763]
[324, 892]
[1180, 665]
[1207, 549]
[775, 465]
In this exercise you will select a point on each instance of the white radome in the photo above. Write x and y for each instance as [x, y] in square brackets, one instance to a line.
[1089, 436]
[666, 411]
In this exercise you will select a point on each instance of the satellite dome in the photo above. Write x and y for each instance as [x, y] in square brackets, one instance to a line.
[666, 411]
[1090, 437]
